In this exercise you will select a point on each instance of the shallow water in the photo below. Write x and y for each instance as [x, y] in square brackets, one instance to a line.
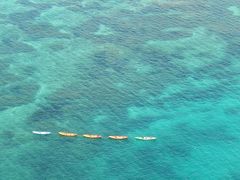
[151, 67]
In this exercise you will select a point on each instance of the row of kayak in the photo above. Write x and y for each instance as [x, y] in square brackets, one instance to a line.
[95, 136]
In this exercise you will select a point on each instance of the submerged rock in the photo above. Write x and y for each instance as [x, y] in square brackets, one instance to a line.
[17, 94]
[42, 30]
[8, 46]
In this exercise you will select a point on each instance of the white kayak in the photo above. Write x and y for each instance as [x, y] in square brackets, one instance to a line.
[146, 138]
[41, 132]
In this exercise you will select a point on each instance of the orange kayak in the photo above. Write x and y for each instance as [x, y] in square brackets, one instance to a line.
[118, 137]
[67, 134]
[92, 136]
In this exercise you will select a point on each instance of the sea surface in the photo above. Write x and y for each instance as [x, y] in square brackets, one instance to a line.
[164, 68]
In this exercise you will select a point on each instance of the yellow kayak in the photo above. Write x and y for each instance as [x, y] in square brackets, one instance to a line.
[92, 136]
[67, 134]
[118, 137]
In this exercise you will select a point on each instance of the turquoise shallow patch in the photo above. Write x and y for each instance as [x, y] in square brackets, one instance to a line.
[235, 10]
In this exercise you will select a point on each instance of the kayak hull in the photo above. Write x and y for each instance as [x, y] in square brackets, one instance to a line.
[146, 138]
[41, 132]
[92, 136]
[67, 134]
[118, 137]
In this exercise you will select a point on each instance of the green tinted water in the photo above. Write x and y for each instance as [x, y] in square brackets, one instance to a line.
[157, 68]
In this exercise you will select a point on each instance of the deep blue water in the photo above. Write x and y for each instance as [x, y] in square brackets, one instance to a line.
[169, 69]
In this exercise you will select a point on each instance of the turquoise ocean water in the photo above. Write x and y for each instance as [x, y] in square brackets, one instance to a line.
[165, 68]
